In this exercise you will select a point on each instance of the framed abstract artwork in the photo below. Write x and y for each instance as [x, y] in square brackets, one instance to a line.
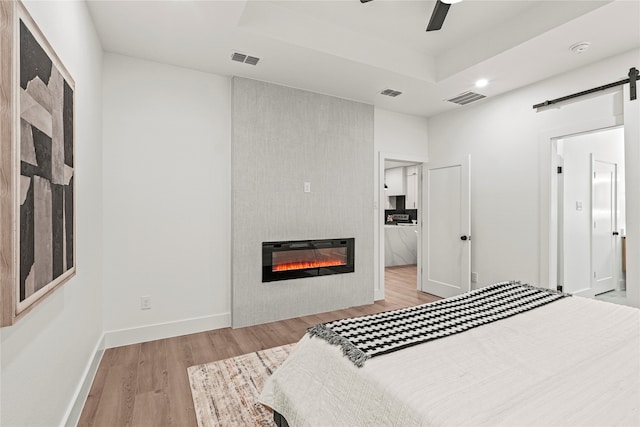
[37, 166]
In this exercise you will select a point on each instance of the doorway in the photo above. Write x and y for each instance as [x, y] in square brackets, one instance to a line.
[591, 214]
[399, 221]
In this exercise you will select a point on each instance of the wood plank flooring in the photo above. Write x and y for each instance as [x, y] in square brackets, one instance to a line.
[147, 385]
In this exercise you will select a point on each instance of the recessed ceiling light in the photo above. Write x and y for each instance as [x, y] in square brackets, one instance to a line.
[580, 47]
[482, 82]
[451, 1]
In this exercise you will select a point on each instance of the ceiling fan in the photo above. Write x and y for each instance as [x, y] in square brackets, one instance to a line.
[438, 15]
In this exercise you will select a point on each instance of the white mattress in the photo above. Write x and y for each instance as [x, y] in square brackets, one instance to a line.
[572, 362]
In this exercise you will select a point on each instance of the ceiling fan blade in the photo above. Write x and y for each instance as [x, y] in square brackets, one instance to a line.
[438, 15]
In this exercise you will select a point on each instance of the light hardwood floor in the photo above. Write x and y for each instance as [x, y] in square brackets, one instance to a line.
[146, 384]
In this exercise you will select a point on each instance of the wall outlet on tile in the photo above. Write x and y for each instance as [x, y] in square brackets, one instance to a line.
[145, 303]
[474, 277]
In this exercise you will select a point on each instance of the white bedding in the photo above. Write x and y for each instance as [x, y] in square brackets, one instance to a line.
[573, 362]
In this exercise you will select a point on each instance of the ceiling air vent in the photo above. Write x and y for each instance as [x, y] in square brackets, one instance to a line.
[251, 60]
[390, 92]
[466, 98]
[241, 57]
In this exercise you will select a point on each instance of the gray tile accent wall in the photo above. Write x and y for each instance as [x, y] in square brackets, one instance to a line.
[281, 138]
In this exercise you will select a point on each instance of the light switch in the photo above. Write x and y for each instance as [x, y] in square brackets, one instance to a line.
[579, 205]
[307, 187]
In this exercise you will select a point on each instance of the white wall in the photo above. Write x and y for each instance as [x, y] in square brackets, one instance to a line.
[166, 200]
[399, 136]
[607, 146]
[510, 169]
[45, 354]
[400, 133]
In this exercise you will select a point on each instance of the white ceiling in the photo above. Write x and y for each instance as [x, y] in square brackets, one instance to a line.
[354, 51]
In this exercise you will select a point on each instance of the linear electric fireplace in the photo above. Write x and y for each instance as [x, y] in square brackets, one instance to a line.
[306, 258]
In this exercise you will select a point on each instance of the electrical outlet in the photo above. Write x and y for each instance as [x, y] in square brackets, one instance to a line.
[474, 277]
[145, 303]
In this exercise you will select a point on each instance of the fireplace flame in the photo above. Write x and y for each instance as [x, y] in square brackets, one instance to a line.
[308, 264]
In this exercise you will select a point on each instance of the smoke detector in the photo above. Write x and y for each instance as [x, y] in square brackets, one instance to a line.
[579, 48]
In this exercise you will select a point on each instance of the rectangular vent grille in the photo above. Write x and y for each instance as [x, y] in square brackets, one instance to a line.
[390, 92]
[466, 98]
[241, 57]
[238, 57]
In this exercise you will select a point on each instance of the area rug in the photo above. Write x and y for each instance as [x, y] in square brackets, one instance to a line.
[225, 393]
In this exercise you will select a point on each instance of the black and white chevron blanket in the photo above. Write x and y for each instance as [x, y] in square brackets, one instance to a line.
[364, 337]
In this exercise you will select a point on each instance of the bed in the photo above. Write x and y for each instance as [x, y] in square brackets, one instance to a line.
[572, 361]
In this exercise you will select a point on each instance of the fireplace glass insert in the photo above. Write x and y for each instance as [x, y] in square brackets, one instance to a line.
[306, 258]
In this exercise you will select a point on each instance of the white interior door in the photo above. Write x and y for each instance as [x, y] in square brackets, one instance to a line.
[603, 215]
[447, 231]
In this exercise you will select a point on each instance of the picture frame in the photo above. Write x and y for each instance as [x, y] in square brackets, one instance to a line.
[37, 166]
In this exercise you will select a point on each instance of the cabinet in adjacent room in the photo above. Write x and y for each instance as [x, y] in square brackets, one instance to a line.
[411, 201]
[395, 180]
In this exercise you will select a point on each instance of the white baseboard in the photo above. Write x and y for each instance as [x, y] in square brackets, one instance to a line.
[72, 416]
[587, 293]
[122, 337]
[159, 331]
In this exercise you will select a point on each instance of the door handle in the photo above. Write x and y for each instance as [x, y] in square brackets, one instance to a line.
[615, 233]
[465, 237]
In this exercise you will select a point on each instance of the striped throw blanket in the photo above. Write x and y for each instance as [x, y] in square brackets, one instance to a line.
[362, 338]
